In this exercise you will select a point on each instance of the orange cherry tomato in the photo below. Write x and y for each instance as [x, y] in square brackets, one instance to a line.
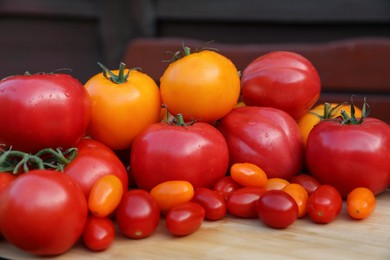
[361, 202]
[171, 193]
[202, 86]
[105, 195]
[276, 183]
[248, 175]
[121, 110]
[300, 195]
[323, 111]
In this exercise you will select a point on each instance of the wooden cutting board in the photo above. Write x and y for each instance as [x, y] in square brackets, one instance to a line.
[234, 238]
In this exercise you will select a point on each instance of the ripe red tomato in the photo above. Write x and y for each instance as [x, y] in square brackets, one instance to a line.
[225, 186]
[43, 212]
[54, 108]
[324, 204]
[99, 233]
[281, 79]
[265, 136]
[5, 180]
[138, 214]
[212, 202]
[196, 153]
[185, 219]
[242, 202]
[349, 156]
[277, 209]
[307, 181]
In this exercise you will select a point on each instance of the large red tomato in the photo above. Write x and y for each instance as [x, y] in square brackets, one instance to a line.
[43, 110]
[281, 79]
[196, 153]
[348, 156]
[43, 212]
[265, 136]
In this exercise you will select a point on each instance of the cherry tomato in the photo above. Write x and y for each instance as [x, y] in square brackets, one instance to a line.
[212, 202]
[281, 79]
[203, 86]
[44, 110]
[361, 203]
[123, 103]
[225, 186]
[242, 202]
[277, 209]
[276, 183]
[138, 214]
[43, 212]
[171, 193]
[300, 195]
[5, 180]
[324, 204]
[99, 233]
[105, 195]
[248, 175]
[307, 181]
[185, 219]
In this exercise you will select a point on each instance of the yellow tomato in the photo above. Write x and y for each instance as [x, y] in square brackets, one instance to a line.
[308, 121]
[202, 86]
[121, 110]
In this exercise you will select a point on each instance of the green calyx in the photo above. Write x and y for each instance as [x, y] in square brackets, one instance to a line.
[352, 120]
[117, 79]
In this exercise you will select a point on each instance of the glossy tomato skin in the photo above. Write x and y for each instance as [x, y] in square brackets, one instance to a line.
[138, 214]
[93, 161]
[307, 181]
[265, 136]
[242, 202]
[185, 219]
[196, 153]
[99, 233]
[324, 204]
[225, 186]
[277, 209]
[280, 79]
[350, 156]
[43, 212]
[55, 108]
[212, 202]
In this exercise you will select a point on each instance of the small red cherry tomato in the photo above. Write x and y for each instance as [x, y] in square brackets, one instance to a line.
[324, 204]
[99, 233]
[212, 202]
[277, 209]
[248, 174]
[225, 186]
[242, 202]
[185, 219]
[307, 181]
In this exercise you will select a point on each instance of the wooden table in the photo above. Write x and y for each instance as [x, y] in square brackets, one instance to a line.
[234, 238]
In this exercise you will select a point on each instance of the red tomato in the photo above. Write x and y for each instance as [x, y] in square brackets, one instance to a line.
[5, 180]
[307, 181]
[43, 212]
[185, 219]
[212, 202]
[242, 202]
[265, 136]
[281, 79]
[55, 108]
[324, 204]
[349, 156]
[138, 214]
[99, 233]
[196, 153]
[93, 161]
[277, 209]
[225, 186]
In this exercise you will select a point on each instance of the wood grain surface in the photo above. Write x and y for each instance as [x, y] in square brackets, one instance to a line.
[235, 238]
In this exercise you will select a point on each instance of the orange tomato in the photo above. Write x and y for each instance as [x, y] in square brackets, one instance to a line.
[361, 202]
[105, 195]
[202, 86]
[248, 175]
[300, 195]
[323, 111]
[121, 110]
[171, 193]
[276, 183]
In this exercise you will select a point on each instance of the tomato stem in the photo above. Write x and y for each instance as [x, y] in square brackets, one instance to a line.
[352, 120]
[117, 79]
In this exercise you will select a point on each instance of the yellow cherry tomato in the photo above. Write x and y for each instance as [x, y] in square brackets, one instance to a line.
[300, 195]
[361, 202]
[202, 86]
[276, 183]
[123, 103]
[248, 175]
[105, 195]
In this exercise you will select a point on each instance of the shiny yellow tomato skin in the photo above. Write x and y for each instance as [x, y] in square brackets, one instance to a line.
[202, 86]
[121, 111]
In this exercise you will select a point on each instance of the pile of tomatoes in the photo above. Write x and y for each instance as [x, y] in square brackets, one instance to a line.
[203, 142]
